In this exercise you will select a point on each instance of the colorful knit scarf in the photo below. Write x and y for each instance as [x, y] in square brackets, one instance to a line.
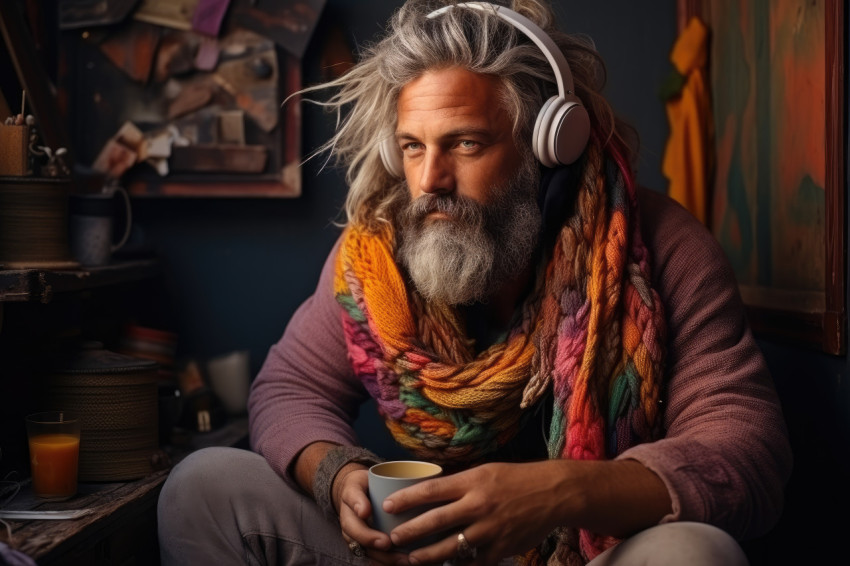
[592, 332]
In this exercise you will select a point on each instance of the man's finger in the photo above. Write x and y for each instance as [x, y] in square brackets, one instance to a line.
[430, 491]
[358, 502]
[357, 529]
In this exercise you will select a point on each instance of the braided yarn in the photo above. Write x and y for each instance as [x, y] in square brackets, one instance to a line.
[593, 331]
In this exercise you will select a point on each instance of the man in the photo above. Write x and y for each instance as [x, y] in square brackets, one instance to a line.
[572, 350]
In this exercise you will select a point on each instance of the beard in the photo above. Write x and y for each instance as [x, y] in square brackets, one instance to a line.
[468, 256]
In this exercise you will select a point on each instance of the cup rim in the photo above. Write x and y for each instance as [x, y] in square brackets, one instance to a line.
[436, 469]
[53, 417]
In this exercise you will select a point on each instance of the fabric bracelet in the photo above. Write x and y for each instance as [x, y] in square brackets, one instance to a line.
[329, 467]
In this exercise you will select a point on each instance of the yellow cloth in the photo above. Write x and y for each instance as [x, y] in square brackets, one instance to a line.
[688, 155]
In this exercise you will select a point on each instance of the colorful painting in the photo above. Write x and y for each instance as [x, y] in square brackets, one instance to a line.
[769, 89]
[777, 206]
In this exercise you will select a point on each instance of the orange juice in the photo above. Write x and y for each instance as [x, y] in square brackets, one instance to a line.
[54, 459]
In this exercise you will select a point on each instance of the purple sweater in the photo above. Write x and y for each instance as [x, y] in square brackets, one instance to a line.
[725, 458]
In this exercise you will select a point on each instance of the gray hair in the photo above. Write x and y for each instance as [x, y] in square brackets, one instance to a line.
[477, 40]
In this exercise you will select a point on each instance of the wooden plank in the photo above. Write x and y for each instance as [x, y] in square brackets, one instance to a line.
[114, 506]
[222, 189]
[220, 158]
[169, 13]
[133, 50]
[18, 285]
[232, 127]
[123, 514]
[76, 15]
[835, 316]
[291, 166]
[253, 83]
[114, 159]
[193, 96]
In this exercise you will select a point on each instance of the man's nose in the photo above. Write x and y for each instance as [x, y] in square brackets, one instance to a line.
[437, 174]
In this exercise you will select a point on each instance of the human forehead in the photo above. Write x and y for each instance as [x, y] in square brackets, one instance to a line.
[452, 92]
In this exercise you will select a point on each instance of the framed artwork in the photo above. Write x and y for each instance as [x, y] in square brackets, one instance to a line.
[184, 97]
[777, 201]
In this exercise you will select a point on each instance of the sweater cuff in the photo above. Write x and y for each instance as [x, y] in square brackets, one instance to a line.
[329, 467]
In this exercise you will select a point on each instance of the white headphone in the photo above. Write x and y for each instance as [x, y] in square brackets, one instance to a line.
[562, 127]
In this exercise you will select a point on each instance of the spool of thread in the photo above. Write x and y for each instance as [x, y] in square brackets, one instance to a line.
[34, 223]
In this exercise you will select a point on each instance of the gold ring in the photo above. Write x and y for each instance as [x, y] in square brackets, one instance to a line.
[356, 549]
[465, 551]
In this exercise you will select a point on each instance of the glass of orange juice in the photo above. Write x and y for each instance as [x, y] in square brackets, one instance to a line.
[54, 441]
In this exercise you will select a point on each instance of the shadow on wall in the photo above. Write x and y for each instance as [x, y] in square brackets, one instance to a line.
[815, 398]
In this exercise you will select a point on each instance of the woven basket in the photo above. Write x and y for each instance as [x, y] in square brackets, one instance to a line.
[117, 399]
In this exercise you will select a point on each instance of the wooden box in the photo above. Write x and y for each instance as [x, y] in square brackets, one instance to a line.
[13, 150]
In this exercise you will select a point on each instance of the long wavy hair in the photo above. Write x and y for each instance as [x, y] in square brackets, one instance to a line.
[365, 97]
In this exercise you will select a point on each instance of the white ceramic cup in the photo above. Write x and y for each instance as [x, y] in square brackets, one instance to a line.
[230, 380]
[389, 477]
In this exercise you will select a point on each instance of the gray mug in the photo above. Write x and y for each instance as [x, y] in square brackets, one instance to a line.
[90, 225]
[389, 477]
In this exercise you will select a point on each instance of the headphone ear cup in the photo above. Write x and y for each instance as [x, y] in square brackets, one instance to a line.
[561, 132]
[569, 132]
[391, 156]
[542, 127]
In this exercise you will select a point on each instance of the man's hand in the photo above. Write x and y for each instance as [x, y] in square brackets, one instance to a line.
[507, 509]
[350, 498]
[502, 509]
[355, 511]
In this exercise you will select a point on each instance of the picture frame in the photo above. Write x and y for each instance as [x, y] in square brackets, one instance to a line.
[181, 105]
[777, 203]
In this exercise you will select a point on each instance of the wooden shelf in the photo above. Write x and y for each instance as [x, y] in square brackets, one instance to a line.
[41, 285]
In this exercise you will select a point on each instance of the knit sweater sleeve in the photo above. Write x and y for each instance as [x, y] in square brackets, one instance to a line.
[725, 458]
[305, 391]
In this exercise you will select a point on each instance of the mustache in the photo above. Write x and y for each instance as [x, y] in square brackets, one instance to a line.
[456, 207]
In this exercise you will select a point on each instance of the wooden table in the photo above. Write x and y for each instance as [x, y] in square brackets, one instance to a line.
[120, 528]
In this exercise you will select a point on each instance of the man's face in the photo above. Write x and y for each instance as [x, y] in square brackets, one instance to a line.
[455, 135]
[472, 221]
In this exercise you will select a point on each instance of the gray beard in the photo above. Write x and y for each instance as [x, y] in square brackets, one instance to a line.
[470, 255]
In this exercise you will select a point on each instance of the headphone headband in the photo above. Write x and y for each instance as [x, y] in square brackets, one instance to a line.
[563, 75]
[562, 127]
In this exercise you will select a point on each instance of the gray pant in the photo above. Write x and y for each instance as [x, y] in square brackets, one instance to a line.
[224, 506]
